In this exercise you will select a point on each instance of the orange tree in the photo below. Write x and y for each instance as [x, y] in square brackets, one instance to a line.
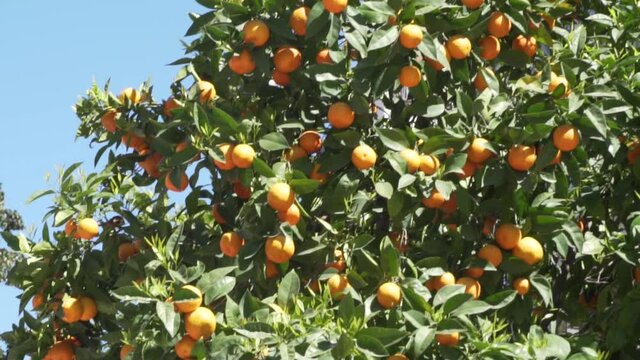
[397, 179]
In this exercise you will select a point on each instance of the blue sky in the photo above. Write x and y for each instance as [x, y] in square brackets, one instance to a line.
[51, 53]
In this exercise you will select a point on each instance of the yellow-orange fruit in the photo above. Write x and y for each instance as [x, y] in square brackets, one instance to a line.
[108, 120]
[472, 286]
[131, 95]
[475, 272]
[298, 20]
[62, 350]
[241, 191]
[410, 76]
[477, 152]
[125, 351]
[459, 47]
[242, 156]
[337, 284]
[151, 164]
[521, 286]
[37, 301]
[291, 216]
[89, 308]
[71, 229]
[491, 254]
[271, 270]
[317, 175]
[207, 92]
[479, 82]
[557, 80]
[468, 170]
[280, 78]
[335, 6]
[187, 306]
[438, 282]
[490, 46]
[412, 158]
[363, 157]
[338, 262]
[279, 248]
[87, 228]
[435, 201]
[280, 196]
[287, 59]
[310, 141]
[508, 236]
[429, 164]
[472, 4]
[448, 339]
[184, 182]
[389, 295]
[256, 32]
[72, 310]
[126, 250]
[341, 115]
[169, 105]
[184, 347]
[411, 36]
[522, 157]
[499, 25]
[200, 324]
[131, 139]
[529, 250]
[398, 357]
[243, 63]
[323, 57]
[294, 153]
[215, 210]
[227, 153]
[231, 243]
[566, 137]
[527, 45]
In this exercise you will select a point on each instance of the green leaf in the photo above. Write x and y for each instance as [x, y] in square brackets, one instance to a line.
[262, 168]
[288, 288]
[386, 336]
[422, 339]
[168, 316]
[597, 119]
[543, 286]
[389, 258]
[393, 139]
[343, 347]
[304, 186]
[318, 19]
[500, 299]
[384, 189]
[273, 142]
[371, 346]
[464, 104]
[383, 37]
[222, 119]
[471, 308]
[446, 293]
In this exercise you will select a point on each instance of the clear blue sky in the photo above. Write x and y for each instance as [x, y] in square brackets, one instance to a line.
[51, 52]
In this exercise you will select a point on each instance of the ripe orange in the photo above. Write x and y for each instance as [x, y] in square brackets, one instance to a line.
[468, 170]
[499, 25]
[389, 295]
[200, 324]
[294, 153]
[337, 285]
[87, 229]
[310, 141]
[280, 78]
[435, 201]
[490, 46]
[37, 301]
[70, 229]
[335, 6]
[477, 152]
[242, 64]
[459, 47]
[72, 310]
[151, 164]
[429, 164]
[472, 286]
[131, 139]
[169, 105]
[450, 206]
[298, 20]
[341, 115]
[557, 80]
[636, 274]
[231, 243]
[472, 4]
[126, 250]
[280, 197]
[323, 57]
[317, 175]
[206, 91]
[412, 158]
[62, 350]
[522, 157]
[436, 65]
[131, 95]
[475, 272]
[479, 82]
[529, 250]
[242, 156]
[291, 216]
[187, 306]
[256, 32]
[410, 76]
[338, 262]
[508, 236]
[125, 351]
[89, 308]
[448, 339]
[287, 59]
[398, 357]
[527, 45]
[184, 182]
[411, 36]
[438, 282]
[521, 286]
[279, 248]
[184, 347]
[363, 157]
[271, 270]
[566, 137]
[227, 153]
[634, 153]
[241, 191]
[487, 226]
[215, 210]
[108, 120]
[491, 254]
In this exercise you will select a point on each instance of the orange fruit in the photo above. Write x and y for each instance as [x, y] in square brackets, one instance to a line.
[294, 153]
[477, 152]
[242, 64]
[363, 157]
[271, 270]
[87, 229]
[131, 139]
[468, 170]
[287, 59]
[207, 92]
[169, 105]
[636, 274]
[62, 350]
[508, 236]
[231, 243]
[521, 157]
[392, 20]
[215, 210]
[337, 284]
[412, 158]
[459, 47]
[187, 306]
[499, 25]
[256, 32]
[298, 20]
[634, 153]
[317, 175]
[108, 120]
[435, 64]
[89, 308]
[389, 295]
[429, 164]
[280, 78]
[126, 250]
[398, 357]
[529, 250]
[339, 263]
[335, 6]
[37, 301]
[341, 115]
[435, 201]
[479, 82]
[310, 141]
[291, 216]
[279, 248]
[323, 57]
[70, 229]
[566, 137]
[557, 80]
[448, 339]
[227, 153]
[200, 324]
[184, 182]
[241, 191]
[411, 36]
[125, 351]
[72, 310]
[131, 95]
[487, 226]
[527, 45]
[184, 347]
[438, 282]
[521, 286]
[472, 4]
[490, 46]
[472, 286]
[491, 254]
[475, 272]
[242, 156]
[410, 76]
[151, 164]
[280, 197]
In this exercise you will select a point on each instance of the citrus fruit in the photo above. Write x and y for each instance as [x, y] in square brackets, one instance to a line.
[522, 157]
[187, 306]
[478, 152]
[242, 156]
[87, 228]
[231, 243]
[438, 282]
[72, 309]
[184, 182]
[323, 57]
[529, 250]
[340, 115]
[125, 351]
[429, 164]
[207, 92]
[337, 284]
[200, 324]
[335, 6]
[508, 235]
[184, 347]
[280, 196]
[227, 154]
[521, 286]
[310, 141]
[490, 46]
[448, 339]
[472, 286]
[287, 59]
[108, 120]
[126, 250]
[363, 157]
[294, 153]
[459, 47]
[291, 216]
[280, 78]
[256, 32]
[472, 4]
[566, 137]
[499, 25]
[411, 36]
[435, 200]
[89, 308]
[279, 248]
[412, 159]
[389, 295]
[298, 20]
[491, 254]
[130, 95]
[410, 76]
[526, 45]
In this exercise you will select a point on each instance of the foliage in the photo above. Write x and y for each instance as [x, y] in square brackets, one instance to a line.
[584, 208]
[9, 220]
